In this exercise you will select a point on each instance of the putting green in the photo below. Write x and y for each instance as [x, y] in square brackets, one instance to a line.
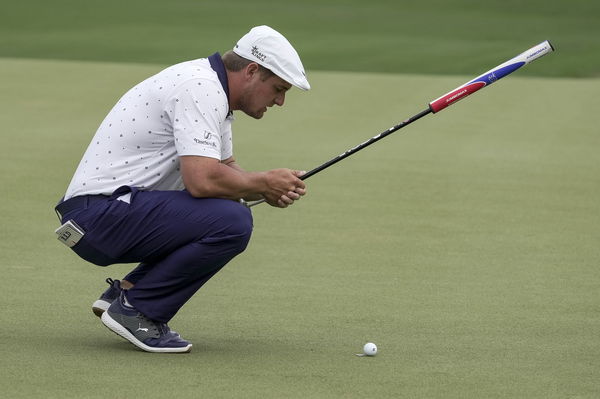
[465, 246]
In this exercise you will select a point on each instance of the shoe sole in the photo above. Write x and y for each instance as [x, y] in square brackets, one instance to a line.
[118, 329]
[100, 307]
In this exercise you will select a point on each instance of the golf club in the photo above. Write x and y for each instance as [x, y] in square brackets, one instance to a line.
[442, 102]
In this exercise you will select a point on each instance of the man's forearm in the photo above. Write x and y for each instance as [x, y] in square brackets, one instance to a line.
[233, 164]
[224, 181]
[207, 177]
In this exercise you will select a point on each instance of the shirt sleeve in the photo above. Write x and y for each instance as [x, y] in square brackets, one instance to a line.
[198, 111]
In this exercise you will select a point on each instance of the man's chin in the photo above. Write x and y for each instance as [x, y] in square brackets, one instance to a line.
[257, 114]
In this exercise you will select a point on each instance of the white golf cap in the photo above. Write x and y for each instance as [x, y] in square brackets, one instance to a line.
[267, 47]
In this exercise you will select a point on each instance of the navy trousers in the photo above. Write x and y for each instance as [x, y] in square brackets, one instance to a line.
[181, 242]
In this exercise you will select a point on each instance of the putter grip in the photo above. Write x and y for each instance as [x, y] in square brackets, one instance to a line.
[491, 76]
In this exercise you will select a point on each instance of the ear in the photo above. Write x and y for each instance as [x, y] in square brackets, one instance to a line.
[250, 70]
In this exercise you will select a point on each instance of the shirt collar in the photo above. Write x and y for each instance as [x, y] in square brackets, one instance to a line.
[217, 65]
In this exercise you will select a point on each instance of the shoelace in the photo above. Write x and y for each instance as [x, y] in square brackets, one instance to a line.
[163, 328]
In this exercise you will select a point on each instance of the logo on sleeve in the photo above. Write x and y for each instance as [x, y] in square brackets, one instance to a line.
[207, 136]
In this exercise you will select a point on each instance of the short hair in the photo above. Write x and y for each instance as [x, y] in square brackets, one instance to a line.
[235, 63]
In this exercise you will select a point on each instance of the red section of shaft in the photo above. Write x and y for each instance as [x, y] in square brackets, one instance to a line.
[455, 95]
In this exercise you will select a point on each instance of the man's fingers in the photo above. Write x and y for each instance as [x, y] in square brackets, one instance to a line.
[293, 195]
[286, 200]
[285, 187]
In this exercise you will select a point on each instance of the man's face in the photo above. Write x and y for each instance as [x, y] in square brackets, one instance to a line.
[261, 93]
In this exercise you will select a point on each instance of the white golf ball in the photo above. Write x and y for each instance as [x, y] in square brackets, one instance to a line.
[370, 349]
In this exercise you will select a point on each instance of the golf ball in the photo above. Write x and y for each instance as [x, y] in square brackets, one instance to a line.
[370, 349]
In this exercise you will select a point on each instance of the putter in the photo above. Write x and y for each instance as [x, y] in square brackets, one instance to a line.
[442, 102]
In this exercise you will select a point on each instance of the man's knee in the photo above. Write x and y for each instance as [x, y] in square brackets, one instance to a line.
[241, 225]
[236, 225]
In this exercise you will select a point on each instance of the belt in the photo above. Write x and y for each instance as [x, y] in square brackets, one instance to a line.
[82, 201]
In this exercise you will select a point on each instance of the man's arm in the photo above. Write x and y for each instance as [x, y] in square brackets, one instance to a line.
[233, 164]
[209, 177]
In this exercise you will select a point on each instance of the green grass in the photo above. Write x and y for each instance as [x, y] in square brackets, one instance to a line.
[424, 37]
[465, 246]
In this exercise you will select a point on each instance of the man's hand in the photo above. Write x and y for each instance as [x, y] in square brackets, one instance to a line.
[283, 187]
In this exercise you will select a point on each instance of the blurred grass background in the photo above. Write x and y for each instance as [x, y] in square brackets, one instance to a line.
[431, 37]
[465, 246]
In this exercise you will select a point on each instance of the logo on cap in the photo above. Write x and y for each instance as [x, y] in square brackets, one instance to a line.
[258, 54]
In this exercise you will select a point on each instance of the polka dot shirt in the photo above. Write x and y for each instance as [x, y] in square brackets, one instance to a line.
[182, 110]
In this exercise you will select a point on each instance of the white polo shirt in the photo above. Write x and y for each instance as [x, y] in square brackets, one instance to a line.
[182, 110]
